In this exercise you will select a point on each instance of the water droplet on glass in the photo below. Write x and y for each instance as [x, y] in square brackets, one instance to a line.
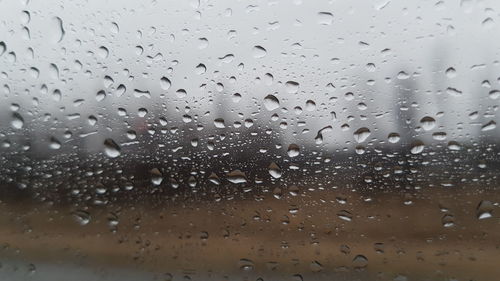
[246, 264]
[448, 220]
[156, 176]
[236, 176]
[417, 147]
[82, 217]
[57, 30]
[361, 134]
[489, 126]
[292, 87]
[428, 123]
[345, 215]
[271, 102]
[259, 52]
[165, 83]
[293, 150]
[54, 143]
[275, 170]
[325, 18]
[393, 137]
[484, 210]
[17, 121]
[111, 149]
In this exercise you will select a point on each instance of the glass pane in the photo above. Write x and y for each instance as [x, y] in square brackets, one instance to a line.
[249, 140]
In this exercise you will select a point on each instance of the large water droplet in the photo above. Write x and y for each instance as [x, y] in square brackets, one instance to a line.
[428, 123]
[293, 150]
[82, 217]
[325, 18]
[57, 30]
[156, 176]
[275, 170]
[165, 83]
[417, 147]
[236, 176]
[292, 87]
[54, 143]
[271, 102]
[361, 134]
[111, 149]
[259, 52]
[17, 121]
[484, 210]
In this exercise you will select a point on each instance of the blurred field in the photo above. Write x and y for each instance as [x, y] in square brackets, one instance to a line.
[401, 237]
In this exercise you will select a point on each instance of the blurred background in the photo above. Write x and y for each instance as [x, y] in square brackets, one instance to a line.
[249, 140]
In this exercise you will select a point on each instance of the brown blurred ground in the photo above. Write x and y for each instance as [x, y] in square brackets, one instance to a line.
[282, 237]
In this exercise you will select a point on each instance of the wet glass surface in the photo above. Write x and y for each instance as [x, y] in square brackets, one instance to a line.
[249, 140]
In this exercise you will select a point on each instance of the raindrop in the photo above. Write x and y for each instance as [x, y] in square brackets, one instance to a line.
[275, 170]
[489, 126]
[453, 92]
[219, 123]
[54, 71]
[101, 95]
[325, 18]
[57, 30]
[165, 83]
[54, 143]
[428, 123]
[111, 149]
[360, 261]
[345, 215]
[361, 134]
[292, 87]
[259, 52]
[103, 52]
[451, 72]
[315, 266]
[236, 176]
[271, 102]
[156, 176]
[310, 105]
[493, 94]
[448, 220]
[17, 121]
[484, 210]
[453, 145]
[201, 69]
[3, 48]
[181, 93]
[403, 75]
[142, 93]
[82, 217]
[417, 147]
[393, 137]
[293, 150]
[246, 264]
